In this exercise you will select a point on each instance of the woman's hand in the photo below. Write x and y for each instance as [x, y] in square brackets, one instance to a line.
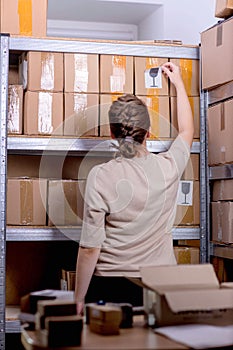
[172, 72]
[80, 307]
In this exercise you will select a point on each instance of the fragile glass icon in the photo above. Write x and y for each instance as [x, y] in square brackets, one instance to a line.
[185, 188]
[153, 72]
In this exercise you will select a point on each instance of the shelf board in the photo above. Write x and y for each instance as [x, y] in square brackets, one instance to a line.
[221, 250]
[103, 47]
[221, 172]
[13, 324]
[35, 233]
[51, 145]
[32, 233]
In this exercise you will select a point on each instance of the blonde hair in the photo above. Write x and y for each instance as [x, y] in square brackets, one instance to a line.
[129, 123]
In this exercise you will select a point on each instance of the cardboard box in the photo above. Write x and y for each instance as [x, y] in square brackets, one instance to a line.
[62, 331]
[43, 113]
[68, 279]
[223, 8]
[24, 17]
[105, 319]
[143, 64]
[47, 308]
[26, 201]
[222, 190]
[195, 106]
[42, 71]
[158, 107]
[192, 170]
[222, 221]
[188, 293]
[116, 74]
[81, 73]
[216, 54]
[13, 75]
[188, 214]
[190, 75]
[105, 104]
[187, 255]
[81, 114]
[220, 126]
[65, 202]
[15, 109]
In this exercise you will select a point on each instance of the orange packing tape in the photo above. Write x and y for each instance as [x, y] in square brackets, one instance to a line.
[153, 107]
[25, 17]
[118, 77]
[186, 67]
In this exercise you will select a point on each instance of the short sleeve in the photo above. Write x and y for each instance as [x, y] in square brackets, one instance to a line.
[180, 153]
[93, 227]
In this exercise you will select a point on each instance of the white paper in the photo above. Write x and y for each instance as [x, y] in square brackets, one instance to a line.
[153, 78]
[199, 336]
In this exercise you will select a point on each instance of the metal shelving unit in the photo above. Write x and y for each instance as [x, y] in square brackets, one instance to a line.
[219, 172]
[59, 145]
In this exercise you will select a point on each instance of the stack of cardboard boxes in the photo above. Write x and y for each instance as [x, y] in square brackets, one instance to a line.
[217, 72]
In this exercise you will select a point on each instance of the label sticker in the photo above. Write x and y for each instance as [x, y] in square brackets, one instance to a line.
[185, 193]
[153, 78]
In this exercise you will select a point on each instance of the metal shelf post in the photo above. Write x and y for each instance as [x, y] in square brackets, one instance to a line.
[4, 63]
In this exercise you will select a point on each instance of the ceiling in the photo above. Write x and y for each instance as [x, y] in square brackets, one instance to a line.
[123, 12]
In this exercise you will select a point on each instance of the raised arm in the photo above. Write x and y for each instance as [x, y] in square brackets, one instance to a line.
[184, 111]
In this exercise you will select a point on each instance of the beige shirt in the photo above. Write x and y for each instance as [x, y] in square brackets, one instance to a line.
[129, 210]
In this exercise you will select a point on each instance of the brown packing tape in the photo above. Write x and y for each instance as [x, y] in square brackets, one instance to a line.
[26, 202]
[219, 35]
[153, 105]
[25, 17]
[70, 202]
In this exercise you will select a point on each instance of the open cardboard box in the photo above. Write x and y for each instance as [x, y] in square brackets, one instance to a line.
[187, 294]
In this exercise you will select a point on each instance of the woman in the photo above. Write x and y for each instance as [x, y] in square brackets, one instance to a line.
[130, 202]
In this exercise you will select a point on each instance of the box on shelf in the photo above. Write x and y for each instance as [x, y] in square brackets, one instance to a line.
[142, 65]
[116, 74]
[41, 71]
[81, 73]
[222, 221]
[26, 201]
[220, 126]
[222, 190]
[158, 107]
[187, 255]
[81, 114]
[190, 75]
[188, 293]
[188, 203]
[195, 106]
[223, 8]
[24, 17]
[68, 279]
[105, 103]
[15, 109]
[216, 54]
[13, 75]
[65, 202]
[43, 113]
[192, 170]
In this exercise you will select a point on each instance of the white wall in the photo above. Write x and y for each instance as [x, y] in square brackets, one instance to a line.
[173, 20]
[179, 20]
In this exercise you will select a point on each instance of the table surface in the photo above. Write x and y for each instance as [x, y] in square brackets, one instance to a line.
[138, 337]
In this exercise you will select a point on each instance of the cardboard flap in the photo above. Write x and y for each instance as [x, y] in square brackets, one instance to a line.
[179, 277]
[199, 300]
